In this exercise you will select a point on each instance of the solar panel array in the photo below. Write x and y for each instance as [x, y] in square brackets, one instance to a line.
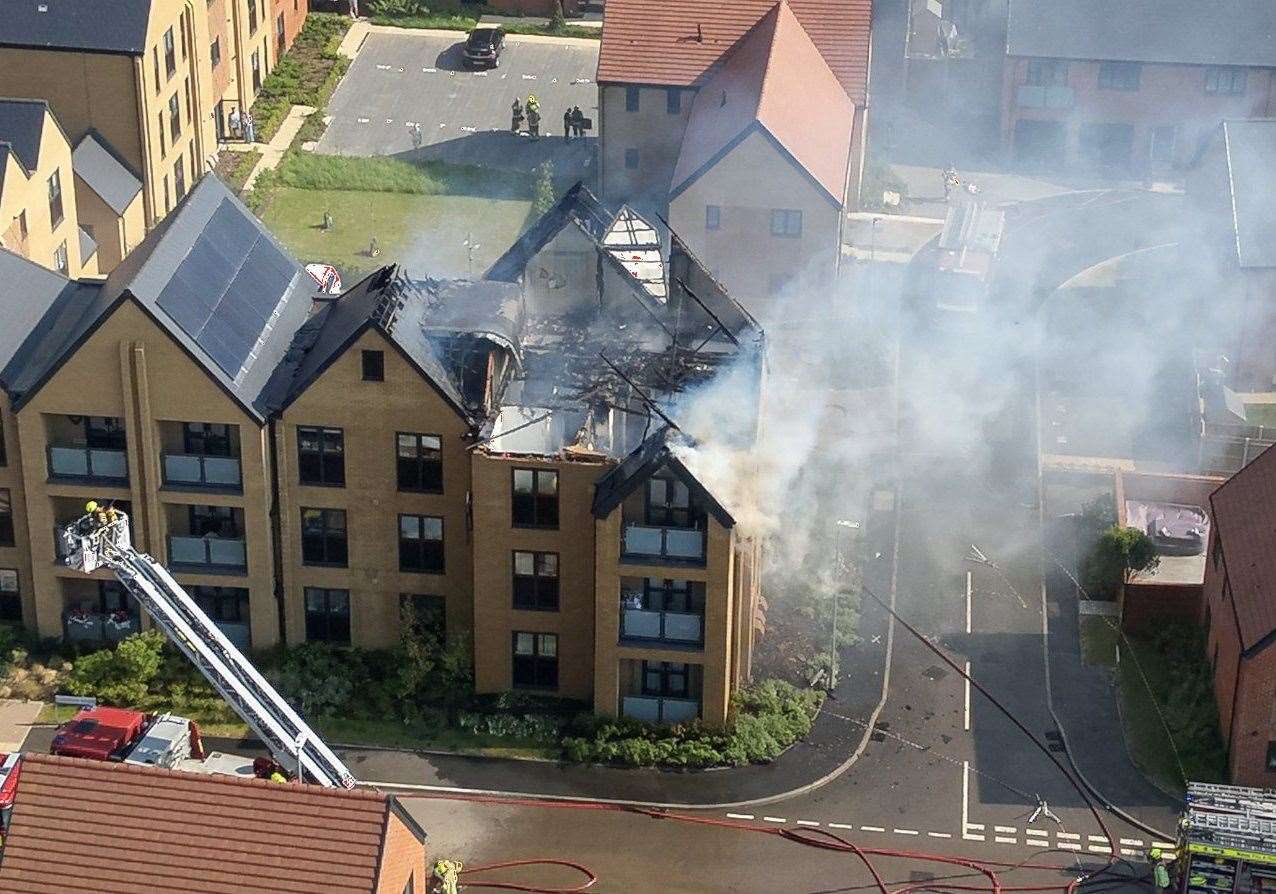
[227, 288]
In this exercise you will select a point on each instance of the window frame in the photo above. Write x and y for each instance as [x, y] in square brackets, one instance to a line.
[421, 462]
[1046, 73]
[537, 595]
[673, 101]
[537, 499]
[633, 159]
[537, 660]
[376, 371]
[328, 614]
[420, 542]
[712, 217]
[208, 521]
[215, 52]
[179, 177]
[10, 599]
[324, 435]
[170, 54]
[7, 531]
[282, 42]
[1119, 76]
[633, 99]
[330, 540]
[213, 600]
[208, 440]
[782, 223]
[61, 259]
[57, 207]
[666, 672]
[1236, 76]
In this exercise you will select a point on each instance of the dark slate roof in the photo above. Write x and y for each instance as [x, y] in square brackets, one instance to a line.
[5, 151]
[385, 300]
[1244, 510]
[1222, 32]
[105, 172]
[104, 26]
[648, 458]
[88, 248]
[33, 298]
[1250, 152]
[213, 277]
[21, 124]
[578, 206]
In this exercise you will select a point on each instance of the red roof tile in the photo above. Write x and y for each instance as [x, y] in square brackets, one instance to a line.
[1244, 509]
[676, 43]
[81, 825]
[756, 84]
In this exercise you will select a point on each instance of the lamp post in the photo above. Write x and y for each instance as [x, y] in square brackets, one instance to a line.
[837, 597]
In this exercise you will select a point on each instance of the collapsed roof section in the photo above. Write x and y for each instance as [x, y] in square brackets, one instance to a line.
[651, 456]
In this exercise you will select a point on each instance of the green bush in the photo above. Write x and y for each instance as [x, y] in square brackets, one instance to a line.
[1118, 553]
[319, 679]
[119, 676]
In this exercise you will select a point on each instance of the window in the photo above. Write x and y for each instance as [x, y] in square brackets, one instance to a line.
[631, 99]
[421, 543]
[374, 366]
[631, 159]
[6, 517]
[252, 17]
[182, 28]
[420, 460]
[22, 225]
[174, 118]
[668, 503]
[160, 117]
[205, 439]
[55, 198]
[189, 107]
[1217, 554]
[536, 581]
[673, 100]
[712, 217]
[323, 537]
[179, 178]
[155, 59]
[321, 456]
[535, 498]
[535, 661]
[10, 601]
[279, 33]
[168, 202]
[216, 52]
[1047, 73]
[104, 432]
[1119, 75]
[170, 54]
[327, 615]
[256, 70]
[666, 679]
[213, 521]
[426, 613]
[786, 223]
[1161, 148]
[1225, 81]
[225, 605]
[60, 262]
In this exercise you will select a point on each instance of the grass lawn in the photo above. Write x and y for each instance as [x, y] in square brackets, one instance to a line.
[1261, 414]
[1176, 669]
[1098, 640]
[425, 232]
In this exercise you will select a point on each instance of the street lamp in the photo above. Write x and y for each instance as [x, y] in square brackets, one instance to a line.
[837, 596]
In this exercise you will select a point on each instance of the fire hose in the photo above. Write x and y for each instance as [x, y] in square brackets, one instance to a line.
[449, 873]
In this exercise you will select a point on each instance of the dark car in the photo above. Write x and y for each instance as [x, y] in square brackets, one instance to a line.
[484, 45]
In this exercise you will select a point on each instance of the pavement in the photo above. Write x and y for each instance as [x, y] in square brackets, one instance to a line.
[16, 719]
[401, 78]
[273, 152]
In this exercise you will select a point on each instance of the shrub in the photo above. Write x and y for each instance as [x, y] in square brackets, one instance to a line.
[317, 678]
[119, 676]
[543, 191]
[1118, 553]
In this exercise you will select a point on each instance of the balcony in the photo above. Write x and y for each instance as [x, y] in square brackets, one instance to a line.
[679, 628]
[644, 542]
[97, 627]
[1043, 96]
[656, 709]
[88, 464]
[239, 634]
[194, 472]
[216, 555]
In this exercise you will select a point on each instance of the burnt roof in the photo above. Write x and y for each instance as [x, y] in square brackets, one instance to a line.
[1223, 32]
[651, 456]
[21, 126]
[578, 207]
[103, 26]
[1244, 510]
[159, 830]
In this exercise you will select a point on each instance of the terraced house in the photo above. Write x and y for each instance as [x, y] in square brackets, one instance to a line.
[502, 455]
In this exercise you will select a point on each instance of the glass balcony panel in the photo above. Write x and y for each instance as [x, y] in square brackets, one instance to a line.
[69, 461]
[230, 553]
[108, 464]
[684, 544]
[238, 634]
[181, 469]
[641, 707]
[683, 628]
[637, 622]
[221, 471]
[642, 541]
[187, 551]
[677, 710]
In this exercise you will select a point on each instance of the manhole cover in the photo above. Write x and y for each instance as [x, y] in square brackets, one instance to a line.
[934, 672]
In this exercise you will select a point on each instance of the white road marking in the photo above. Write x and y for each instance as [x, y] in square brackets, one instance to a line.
[1125, 851]
[1072, 835]
[1042, 832]
[966, 682]
[389, 121]
[774, 819]
[1099, 838]
[1069, 846]
[965, 798]
[529, 77]
[743, 816]
[383, 68]
[1002, 839]
[1010, 829]
[480, 74]
[940, 834]
[1136, 842]
[841, 826]
[1163, 844]
[906, 832]
[429, 70]
[1100, 849]
[968, 589]
[871, 829]
[970, 837]
[807, 823]
[364, 120]
[469, 129]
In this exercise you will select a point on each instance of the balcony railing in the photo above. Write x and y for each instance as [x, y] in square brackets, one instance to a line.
[670, 627]
[237, 633]
[208, 553]
[679, 544]
[654, 709]
[96, 627]
[88, 464]
[193, 471]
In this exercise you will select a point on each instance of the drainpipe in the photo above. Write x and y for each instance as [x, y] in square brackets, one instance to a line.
[276, 536]
[144, 140]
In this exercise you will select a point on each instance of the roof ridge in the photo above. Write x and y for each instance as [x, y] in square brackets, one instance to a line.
[775, 12]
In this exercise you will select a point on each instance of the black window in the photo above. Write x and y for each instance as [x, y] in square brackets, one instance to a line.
[279, 33]
[155, 59]
[6, 517]
[60, 262]
[1119, 75]
[10, 600]
[374, 366]
[216, 52]
[786, 222]
[1047, 73]
[673, 100]
[712, 217]
[327, 615]
[420, 460]
[104, 432]
[536, 581]
[535, 660]
[22, 225]
[205, 439]
[682, 596]
[189, 107]
[182, 28]
[225, 605]
[159, 116]
[631, 99]
[421, 543]
[1271, 755]
[535, 498]
[323, 537]
[256, 60]
[179, 178]
[55, 198]
[252, 17]
[1225, 81]
[321, 455]
[631, 159]
[174, 118]
[170, 53]
[665, 679]
[213, 521]
[428, 614]
[668, 503]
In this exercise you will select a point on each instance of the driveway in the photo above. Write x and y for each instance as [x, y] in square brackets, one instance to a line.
[402, 78]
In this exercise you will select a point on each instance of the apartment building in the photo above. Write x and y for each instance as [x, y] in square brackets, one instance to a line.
[156, 85]
[1133, 87]
[511, 435]
[743, 124]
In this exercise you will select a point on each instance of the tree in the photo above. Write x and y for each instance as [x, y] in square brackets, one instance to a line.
[543, 191]
[557, 21]
[1119, 553]
[119, 676]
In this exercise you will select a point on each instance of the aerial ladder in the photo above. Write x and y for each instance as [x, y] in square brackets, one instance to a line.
[101, 539]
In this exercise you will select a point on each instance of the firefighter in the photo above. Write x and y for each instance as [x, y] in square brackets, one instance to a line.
[1160, 875]
[533, 121]
[516, 116]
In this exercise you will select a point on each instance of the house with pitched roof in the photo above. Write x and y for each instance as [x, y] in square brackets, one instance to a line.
[743, 123]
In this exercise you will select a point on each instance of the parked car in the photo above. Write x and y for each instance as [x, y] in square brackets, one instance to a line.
[122, 734]
[483, 46]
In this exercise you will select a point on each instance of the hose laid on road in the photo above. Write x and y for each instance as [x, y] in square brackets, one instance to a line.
[449, 872]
